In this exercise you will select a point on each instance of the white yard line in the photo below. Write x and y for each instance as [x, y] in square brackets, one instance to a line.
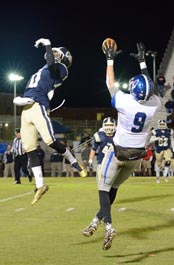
[17, 196]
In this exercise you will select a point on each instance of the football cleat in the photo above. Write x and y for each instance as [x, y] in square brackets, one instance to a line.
[39, 193]
[82, 172]
[90, 229]
[109, 236]
[166, 179]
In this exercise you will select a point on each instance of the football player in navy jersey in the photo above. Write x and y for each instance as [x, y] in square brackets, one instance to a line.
[35, 114]
[102, 141]
[163, 141]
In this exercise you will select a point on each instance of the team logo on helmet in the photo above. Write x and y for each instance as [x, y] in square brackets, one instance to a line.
[141, 87]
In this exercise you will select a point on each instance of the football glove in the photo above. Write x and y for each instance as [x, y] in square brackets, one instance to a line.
[90, 166]
[109, 48]
[140, 56]
[44, 42]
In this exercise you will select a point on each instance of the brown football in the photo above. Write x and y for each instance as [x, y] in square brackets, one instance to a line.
[109, 42]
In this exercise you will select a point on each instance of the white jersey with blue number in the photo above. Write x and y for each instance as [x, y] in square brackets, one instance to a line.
[134, 119]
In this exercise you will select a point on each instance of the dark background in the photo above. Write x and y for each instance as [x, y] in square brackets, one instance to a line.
[81, 28]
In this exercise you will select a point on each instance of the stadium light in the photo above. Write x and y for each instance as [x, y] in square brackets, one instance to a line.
[15, 78]
[153, 54]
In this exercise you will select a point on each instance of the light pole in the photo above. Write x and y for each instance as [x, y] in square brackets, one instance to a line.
[153, 54]
[14, 78]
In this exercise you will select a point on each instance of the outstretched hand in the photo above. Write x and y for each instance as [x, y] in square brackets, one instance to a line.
[140, 56]
[109, 47]
[42, 41]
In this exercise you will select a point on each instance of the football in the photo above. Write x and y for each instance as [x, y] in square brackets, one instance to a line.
[109, 43]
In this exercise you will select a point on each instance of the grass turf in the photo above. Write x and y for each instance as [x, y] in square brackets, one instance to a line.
[50, 232]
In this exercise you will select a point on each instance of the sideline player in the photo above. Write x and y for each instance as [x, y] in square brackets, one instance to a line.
[102, 140]
[163, 143]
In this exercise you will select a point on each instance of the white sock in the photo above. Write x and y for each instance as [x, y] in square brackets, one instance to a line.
[157, 170]
[69, 156]
[37, 172]
[165, 172]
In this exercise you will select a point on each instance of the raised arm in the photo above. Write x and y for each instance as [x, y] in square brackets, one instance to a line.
[140, 57]
[49, 53]
[109, 48]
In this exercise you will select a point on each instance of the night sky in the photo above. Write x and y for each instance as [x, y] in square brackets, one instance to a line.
[81, 29]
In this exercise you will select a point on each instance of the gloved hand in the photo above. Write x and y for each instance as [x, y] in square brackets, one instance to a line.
[109, 47]
[90, 166]
[42, 41]
[110, 54]
[140, 56]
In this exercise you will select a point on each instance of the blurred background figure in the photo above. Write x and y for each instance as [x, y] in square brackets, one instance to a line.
[162, 137]
[161, 84]
[68, 168]
[146, 162]
[56, 161]
[41, 154]
[85, 157]
[8, 160]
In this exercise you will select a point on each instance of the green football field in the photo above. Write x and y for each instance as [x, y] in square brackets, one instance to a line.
[50, 233]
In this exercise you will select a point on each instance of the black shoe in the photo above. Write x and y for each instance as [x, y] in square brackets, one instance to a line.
[30, 178]
[17, 182]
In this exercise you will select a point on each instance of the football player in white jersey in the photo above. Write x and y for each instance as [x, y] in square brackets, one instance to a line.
[136, 110]
[35, 114]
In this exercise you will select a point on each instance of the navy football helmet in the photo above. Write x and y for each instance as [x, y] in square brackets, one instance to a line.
[141, 87]
[162, 124]
[109, 125]
[62, 55]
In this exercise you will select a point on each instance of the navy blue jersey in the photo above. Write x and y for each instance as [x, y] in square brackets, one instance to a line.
[101, 144]
[164, 139]
[41, 85]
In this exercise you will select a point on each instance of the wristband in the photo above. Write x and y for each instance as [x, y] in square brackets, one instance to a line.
[143, 65]
[110, 62]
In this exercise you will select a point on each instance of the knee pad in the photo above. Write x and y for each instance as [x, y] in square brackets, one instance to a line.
[59, 147]
[33, 159]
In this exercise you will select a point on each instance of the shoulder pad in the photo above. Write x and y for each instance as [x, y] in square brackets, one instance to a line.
[97, 137]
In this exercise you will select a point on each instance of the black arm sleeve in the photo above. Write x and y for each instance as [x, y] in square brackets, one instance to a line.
[54, 71]
[145, 72]
[49, 55]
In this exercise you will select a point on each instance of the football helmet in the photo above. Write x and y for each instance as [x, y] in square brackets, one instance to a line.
[162, 124]
[61, 55]
[109, 125]
[141, 87]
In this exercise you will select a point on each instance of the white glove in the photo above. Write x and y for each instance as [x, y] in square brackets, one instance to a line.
[42, 41]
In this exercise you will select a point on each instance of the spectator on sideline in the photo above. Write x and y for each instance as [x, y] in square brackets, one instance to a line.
[56, 161]
[161, 84]
[8, 160]
[146, 162]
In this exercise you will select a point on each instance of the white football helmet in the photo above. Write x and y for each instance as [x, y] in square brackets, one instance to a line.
[109, 126]
[162, 124]
[61, 55]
